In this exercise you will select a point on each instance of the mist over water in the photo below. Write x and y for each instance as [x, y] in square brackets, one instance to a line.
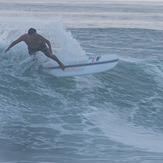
[114, 116]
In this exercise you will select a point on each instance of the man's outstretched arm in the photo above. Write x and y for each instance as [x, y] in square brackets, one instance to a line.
[14, 43]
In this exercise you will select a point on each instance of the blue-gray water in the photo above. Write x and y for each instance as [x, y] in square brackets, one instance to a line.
[110, 117]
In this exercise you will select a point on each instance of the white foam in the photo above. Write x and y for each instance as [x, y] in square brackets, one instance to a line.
[67, 45]
[126, 133]
[63, 43]
[156, 71]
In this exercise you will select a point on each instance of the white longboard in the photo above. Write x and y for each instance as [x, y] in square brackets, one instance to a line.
[83, 65]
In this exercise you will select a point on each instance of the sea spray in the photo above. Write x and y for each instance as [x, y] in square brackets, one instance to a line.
[64, 46]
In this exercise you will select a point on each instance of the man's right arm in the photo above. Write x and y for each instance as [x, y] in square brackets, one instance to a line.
[21, 38]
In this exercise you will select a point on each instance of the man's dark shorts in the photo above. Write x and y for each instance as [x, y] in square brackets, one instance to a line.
[43, 48]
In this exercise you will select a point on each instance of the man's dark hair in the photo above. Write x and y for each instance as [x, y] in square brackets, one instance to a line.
[31, 31]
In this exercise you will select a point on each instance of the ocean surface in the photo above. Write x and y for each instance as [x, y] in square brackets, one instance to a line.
[110, 117]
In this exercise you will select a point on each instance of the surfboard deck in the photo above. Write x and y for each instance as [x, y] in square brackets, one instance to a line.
[82, 65]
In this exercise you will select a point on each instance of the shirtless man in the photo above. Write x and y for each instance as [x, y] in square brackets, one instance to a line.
[36, 42]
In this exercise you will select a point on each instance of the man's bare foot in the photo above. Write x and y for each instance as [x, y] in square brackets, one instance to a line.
[62, 66]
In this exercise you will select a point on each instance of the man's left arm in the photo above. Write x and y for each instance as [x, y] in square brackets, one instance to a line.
[49, 45]
[47, 42]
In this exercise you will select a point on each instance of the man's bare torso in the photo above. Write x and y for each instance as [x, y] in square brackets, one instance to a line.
[33, 41]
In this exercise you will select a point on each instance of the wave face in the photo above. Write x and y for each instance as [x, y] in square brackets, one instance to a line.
[114, 116]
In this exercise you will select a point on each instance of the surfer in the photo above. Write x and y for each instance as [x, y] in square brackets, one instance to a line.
[36, 42]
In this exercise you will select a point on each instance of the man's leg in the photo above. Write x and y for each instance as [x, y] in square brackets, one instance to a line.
[58, 61]
[45, 50]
